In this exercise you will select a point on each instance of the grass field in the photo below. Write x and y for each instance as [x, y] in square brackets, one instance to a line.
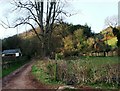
[98, 61]
[92, 71]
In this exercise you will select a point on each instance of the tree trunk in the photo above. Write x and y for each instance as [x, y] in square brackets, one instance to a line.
[43, 52]
[49, 43]
[104, 54]
[118, 51]
[46, 43]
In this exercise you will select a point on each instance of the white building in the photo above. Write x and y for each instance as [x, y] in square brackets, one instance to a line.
[12, 52]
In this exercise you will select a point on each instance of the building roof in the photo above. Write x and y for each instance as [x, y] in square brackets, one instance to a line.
[11, 51]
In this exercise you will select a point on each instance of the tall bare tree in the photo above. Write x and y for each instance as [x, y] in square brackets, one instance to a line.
[42, 13]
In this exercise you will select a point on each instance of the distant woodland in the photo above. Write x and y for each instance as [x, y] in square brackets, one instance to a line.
[66, 40]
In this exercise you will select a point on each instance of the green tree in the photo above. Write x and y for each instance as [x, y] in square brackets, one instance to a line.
[87, 31]
[79, 38]
[90, 42]
[11, 42]
[116, 32]
[68, 45]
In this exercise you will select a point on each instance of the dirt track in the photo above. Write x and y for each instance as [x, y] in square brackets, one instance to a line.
[22, 80]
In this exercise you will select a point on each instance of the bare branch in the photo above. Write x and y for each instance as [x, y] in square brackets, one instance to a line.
[3, 25]
[22, 22]
[111, 21]
[53, 17]
[31, 26]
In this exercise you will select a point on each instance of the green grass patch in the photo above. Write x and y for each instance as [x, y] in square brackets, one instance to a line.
[40, 72]
[19, 62]
[98, 61]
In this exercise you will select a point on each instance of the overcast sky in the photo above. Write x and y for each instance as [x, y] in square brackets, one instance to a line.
[92, 12]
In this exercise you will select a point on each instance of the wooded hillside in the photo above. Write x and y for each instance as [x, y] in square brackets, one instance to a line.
[66, 40]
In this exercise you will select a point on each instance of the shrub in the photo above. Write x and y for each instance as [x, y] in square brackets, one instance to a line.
[81, 71]
[60, 56]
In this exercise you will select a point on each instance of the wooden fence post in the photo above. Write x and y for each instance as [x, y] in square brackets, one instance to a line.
[56, 68]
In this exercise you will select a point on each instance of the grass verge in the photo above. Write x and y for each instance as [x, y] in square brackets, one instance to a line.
[19, 62]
